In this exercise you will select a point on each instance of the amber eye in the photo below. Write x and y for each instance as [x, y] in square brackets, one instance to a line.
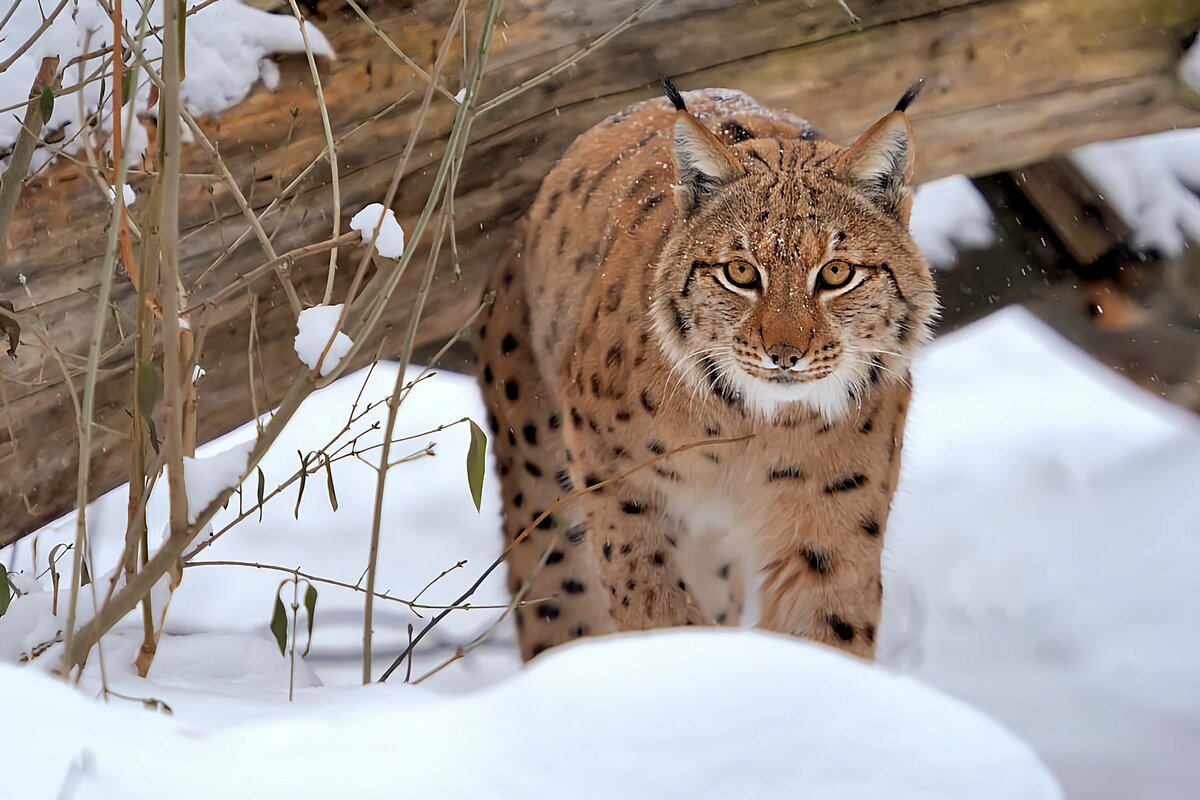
[742, 274]
[835, 275]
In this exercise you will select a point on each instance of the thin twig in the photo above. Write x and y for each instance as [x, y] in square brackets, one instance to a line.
[47, 21]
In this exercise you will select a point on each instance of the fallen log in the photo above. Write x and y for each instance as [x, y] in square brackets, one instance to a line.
[1008, 82]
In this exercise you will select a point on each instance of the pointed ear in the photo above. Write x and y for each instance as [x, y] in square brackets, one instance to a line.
[880, 165]
[702, 161]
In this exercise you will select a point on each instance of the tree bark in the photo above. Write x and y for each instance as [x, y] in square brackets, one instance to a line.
[1008, 82]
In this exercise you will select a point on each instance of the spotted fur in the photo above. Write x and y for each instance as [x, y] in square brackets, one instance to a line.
[682, 277]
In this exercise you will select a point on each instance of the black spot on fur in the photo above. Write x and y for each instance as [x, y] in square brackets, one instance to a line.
[530, 433]
[576, 418]
[607, 550]
[555, 557]
[511, 390]
[819, 561]
[554, 422]
[846, 484]
[563, 479]
[590, 481]
[869, 633]
[613, 357]
[579, 630]
[658, 558]
[871, 527]
[572, 586]
[547, 611]
[623, 416]
[648, 403]
[841, 629]
[633, 507]
[487, 373]
[518, 500]
[533, 469]
[656, 447]
[785, 473]
[547, 523]
[577, 533]
[723, 572]
[508, 344]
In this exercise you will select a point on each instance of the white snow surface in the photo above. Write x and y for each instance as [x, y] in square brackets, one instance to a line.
[948, 215]
[1040, 565]
[390, 240]
[127, 195]
[205, 477]
[226, 49]
[1153, 182]
[678, 714]
[1189, 66]
[315, 326]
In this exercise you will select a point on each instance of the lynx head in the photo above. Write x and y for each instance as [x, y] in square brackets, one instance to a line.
[790, 276]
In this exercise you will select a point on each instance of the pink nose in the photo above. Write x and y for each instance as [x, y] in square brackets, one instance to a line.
[785, 356]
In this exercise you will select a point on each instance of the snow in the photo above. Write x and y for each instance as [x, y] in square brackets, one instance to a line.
[1039, 563]
[948, 215]
[390, 241]
[316, 325]
[659, 712]
[1189, 66]
[205, 478]
[1152, 182]
[126, 194]
[227, 48]
[460, 94]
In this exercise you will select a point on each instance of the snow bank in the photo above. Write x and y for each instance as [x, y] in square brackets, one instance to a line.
[227, 48]
[390, 241]
[947, 215]
[675, 714]
[1152, 182]
[316, 325]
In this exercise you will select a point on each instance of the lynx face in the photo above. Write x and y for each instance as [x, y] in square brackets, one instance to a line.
[793, 278]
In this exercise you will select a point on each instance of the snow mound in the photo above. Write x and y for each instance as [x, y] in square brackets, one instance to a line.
[205, 478]
[316, 325]
[227, 48]
[696, 714]
[390, 241]
[1153, 183]
[947, 215]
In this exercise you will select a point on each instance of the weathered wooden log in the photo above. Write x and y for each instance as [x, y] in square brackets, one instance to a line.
[1008, 82]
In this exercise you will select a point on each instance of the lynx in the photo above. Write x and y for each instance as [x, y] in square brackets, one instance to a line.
[706, 288]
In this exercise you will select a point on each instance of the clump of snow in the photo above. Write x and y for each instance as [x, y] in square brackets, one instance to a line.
[126, 193]
[316, 325]
[1152, 182]
[947, 215]
[227, 47]
[1189, 66]
[205, 478]
[390, 241]
[654, 714]
[460, 94]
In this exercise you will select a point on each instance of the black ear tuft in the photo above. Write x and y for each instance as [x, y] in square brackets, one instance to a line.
[910, 95]
[673, 94]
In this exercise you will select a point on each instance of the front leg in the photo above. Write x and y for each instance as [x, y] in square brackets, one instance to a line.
[823, 545]
[635, 546]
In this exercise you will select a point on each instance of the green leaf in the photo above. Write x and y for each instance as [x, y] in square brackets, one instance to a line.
[46, 103]
[126, 86]
[310, 605]
[279, 624]
[476, 462]
[6, 593]
[329, 479]
[154, 704]
[149, 388]
[303, 480]
[262, 489]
